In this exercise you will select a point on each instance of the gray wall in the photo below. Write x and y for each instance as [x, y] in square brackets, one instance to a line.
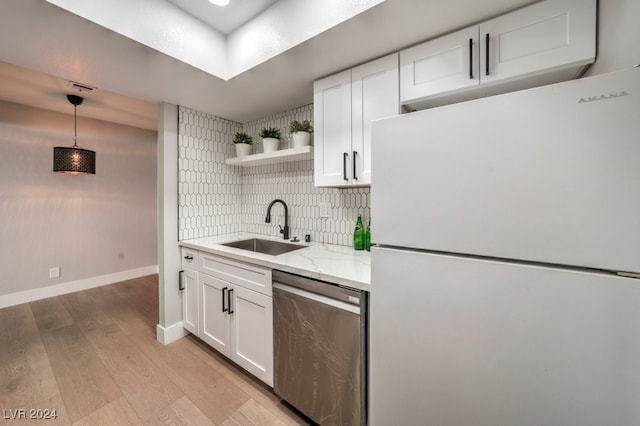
[88, 225]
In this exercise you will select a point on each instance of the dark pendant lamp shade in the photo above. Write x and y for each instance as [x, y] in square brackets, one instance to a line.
[74, 160]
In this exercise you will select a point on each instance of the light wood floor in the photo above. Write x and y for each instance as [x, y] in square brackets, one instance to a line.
[93, 357]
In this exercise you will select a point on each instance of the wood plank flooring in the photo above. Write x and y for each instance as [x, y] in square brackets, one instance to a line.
[92, 356]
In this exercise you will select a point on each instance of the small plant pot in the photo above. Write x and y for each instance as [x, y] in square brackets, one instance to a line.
[243, 149]
[301, 139]
[270, 144]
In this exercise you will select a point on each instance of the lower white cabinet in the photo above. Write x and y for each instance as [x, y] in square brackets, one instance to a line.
[252, 332]
[190, 291]
[233, 318]
[190, 301]
[216, 321]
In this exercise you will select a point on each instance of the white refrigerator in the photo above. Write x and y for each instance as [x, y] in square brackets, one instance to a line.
[505, 282]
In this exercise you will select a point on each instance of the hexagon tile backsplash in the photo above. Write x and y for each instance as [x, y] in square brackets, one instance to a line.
[215, 198]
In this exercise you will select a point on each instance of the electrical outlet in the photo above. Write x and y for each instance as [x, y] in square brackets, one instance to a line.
[325, 209]
[54, 272]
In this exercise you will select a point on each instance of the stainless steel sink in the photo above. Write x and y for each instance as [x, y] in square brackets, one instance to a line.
[258, 245]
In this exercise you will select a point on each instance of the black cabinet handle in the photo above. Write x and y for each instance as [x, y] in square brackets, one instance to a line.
[486, 52]
[471, 59]
[229, 300]
[355, 176]
[224, 289]
[188, 257]
[344, 165]
[180, 281]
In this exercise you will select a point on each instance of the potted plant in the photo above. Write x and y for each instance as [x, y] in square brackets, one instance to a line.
[301, 132]
[243, 144]
[270, 138]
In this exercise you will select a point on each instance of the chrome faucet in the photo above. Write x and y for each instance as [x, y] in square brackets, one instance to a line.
[284, 231]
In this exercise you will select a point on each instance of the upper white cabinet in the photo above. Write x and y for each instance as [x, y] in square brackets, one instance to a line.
[332, 119]
[543, 43]
[547, 35]
[442, 65]
[344, 106]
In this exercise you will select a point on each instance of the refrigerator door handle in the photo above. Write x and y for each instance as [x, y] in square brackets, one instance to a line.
[486, 52]
[471, 58]
[629, 275]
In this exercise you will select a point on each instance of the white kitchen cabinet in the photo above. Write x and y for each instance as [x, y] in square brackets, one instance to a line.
[216, 321]
[345, 104]
[544, 36]
[238, 323]
[190, 293]
[252, 332]
[233, 301]
[443, 65]
[544, 43]
[332, 122]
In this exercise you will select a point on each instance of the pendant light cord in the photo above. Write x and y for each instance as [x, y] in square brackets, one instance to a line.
[75, 126]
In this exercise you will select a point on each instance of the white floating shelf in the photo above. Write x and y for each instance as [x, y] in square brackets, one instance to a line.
[280, 156]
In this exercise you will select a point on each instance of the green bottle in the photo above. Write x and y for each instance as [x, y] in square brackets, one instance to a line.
[358, 234]
[367, 236]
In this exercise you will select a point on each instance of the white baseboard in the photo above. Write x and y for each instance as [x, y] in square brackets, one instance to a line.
[166, 335]
[73, 286]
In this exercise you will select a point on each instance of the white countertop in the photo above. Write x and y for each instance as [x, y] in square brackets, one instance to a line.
[337, 264]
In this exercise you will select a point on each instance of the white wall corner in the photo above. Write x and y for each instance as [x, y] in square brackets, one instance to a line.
[166, 335]
[170, 300]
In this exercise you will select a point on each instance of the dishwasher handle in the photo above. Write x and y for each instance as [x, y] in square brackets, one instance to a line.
[355, 309]
[329, 290]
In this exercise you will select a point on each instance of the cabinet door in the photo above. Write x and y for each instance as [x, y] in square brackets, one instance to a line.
[442, 65]
[546, 35]
[216, 321]
[252, 330]
[375, 95]
[332, 122]
[190, 311]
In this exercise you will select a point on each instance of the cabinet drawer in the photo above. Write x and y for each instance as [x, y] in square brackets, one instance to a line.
[189, 258]
[243, 274]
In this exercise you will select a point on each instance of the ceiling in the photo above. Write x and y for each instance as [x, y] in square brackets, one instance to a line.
[44, 46]
[223, 19]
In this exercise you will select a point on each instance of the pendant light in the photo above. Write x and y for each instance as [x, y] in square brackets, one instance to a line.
[74, 160]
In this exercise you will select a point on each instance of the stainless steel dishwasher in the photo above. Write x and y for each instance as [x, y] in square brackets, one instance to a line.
[320, 348]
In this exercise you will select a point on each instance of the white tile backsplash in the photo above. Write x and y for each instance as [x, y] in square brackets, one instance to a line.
[209, 191]
[217, 199]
